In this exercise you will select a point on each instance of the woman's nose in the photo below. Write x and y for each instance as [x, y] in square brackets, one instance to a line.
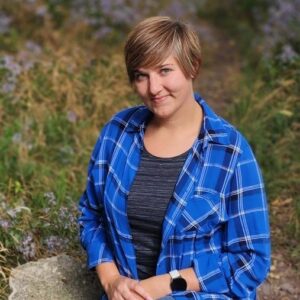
[154, 85]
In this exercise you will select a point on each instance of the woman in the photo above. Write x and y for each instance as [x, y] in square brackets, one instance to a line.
[175, 203]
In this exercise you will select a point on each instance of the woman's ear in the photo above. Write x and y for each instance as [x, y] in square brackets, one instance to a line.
[196, 69]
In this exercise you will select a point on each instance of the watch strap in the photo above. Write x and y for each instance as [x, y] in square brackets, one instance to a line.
[174, 274]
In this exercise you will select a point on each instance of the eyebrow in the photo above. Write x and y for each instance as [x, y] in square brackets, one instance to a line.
[140, 70]
[165, 65]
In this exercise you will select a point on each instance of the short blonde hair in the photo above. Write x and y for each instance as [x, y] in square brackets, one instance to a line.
[152, 40]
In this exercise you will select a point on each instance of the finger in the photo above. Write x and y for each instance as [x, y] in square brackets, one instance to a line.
[131, 295]
[125, 290]
[142, 292]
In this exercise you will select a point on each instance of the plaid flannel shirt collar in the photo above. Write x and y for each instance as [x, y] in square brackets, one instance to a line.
[213, 130]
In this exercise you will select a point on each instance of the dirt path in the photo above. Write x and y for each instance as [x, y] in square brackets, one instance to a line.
[220, 72]
[218, 83]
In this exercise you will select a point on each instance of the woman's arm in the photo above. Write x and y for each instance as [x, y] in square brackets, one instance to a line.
[159, 286]
[92, 232]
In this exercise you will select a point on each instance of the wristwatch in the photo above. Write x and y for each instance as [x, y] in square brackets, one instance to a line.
[177, 282]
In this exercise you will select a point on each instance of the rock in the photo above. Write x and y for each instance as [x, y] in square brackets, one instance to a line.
[265, 291]
[56, 278]
[288, 288]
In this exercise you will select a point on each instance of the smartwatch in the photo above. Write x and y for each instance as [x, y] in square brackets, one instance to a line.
[177, 282]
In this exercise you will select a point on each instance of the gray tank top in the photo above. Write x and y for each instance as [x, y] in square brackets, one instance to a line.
[147, 204]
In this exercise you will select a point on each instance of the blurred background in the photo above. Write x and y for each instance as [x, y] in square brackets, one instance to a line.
[62, 76]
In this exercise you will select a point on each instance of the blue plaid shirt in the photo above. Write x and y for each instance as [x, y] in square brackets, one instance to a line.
[216, 220]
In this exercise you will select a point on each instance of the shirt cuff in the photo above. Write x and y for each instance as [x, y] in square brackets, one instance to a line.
[97, 253]
[210, 273]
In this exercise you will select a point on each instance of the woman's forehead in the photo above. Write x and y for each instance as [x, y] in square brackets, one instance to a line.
[166, 61]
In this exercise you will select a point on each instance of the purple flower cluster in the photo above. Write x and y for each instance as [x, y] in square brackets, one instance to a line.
[67, 218]
[55, 244]
[63, 217]
[4, 23]
[18, 139]
[107, 14]
[50, 198]
[27, 247]
[15, 65]
[282, 30]
[288, 54]
[72, 116]
[5, 224]
[13, 69]
[181, 9]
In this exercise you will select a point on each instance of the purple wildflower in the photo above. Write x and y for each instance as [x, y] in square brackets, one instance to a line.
[13, 69]
[8, 62]
[123, 15]
[282, 29]
[4, 23]
[27, 247]
[71, 116]
[5, 224]
[106, 6]
[17, 138]
[67, 218]
[175, 9]
[55, 243]
[50, 197]
[28, 56]
[33, 47]
[41, 11]
[102, 32]
[288, 54]
[8, 87]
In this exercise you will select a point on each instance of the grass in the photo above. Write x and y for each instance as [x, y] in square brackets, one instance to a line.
[48, 125]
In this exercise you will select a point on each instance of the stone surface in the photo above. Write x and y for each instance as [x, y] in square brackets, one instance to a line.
[64, 278]
[56, 278]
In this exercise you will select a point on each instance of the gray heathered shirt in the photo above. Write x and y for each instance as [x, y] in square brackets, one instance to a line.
[146, 207]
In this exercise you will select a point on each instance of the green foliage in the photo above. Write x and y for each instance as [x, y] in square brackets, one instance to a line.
[269, 116]
[60, 94]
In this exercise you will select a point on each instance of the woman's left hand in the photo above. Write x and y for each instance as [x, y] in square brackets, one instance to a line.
[123, 288]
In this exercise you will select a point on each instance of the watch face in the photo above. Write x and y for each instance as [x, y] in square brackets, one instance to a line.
[178, 284]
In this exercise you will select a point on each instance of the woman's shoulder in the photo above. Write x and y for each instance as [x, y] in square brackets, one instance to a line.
[238, 140]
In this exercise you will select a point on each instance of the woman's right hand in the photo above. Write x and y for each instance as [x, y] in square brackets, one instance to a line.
[123, 288]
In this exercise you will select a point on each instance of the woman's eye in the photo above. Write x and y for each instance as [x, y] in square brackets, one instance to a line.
[139, 76]
[165, 71]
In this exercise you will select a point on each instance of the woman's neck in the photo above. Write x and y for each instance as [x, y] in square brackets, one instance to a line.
[189, 116]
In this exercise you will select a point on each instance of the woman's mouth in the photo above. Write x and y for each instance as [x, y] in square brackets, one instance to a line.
[158, 99]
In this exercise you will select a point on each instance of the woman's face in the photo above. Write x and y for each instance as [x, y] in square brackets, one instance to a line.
[164, 88]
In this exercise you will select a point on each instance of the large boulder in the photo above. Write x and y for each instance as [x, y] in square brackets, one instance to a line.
[57, 278]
